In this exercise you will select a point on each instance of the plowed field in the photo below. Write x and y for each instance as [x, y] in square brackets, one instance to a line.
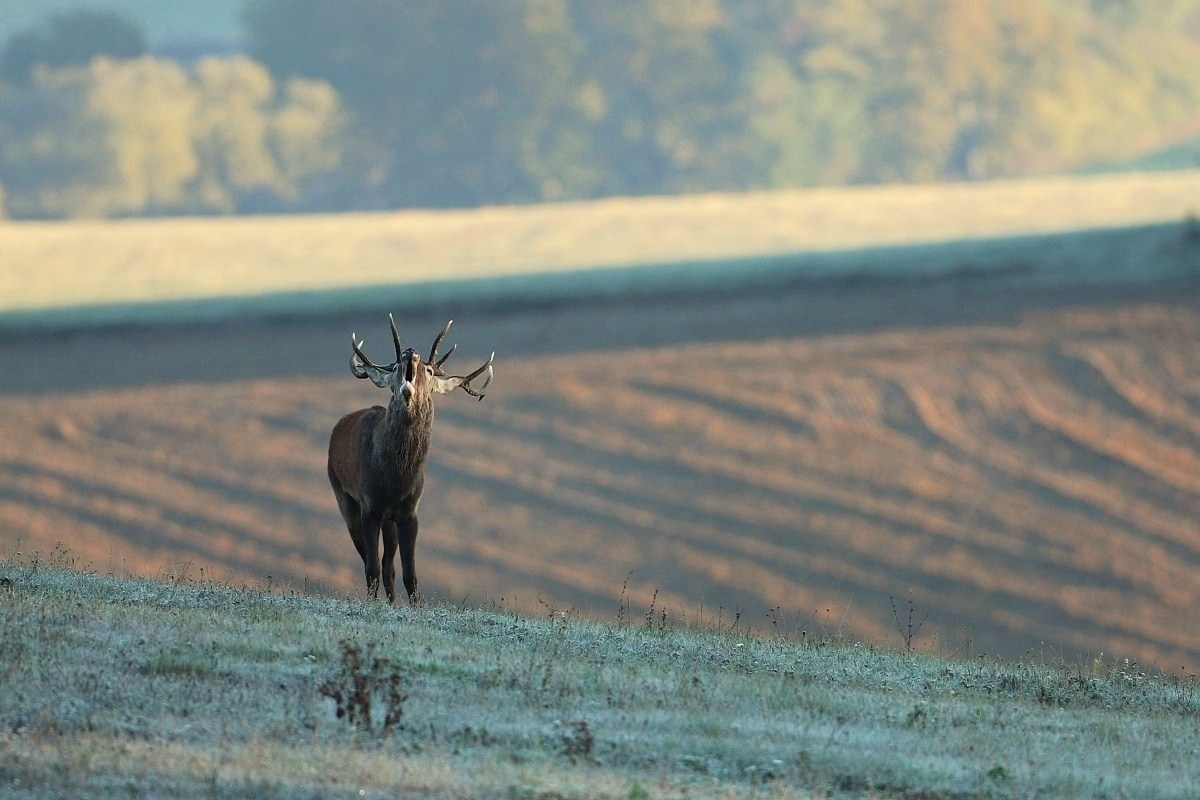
[1022, 469]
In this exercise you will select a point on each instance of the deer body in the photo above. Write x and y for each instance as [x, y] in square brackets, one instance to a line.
[377, 459]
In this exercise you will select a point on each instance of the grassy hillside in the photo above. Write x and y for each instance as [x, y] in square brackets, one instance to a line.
[129, 688]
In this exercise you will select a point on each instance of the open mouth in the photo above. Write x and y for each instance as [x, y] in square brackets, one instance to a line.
[408, 373]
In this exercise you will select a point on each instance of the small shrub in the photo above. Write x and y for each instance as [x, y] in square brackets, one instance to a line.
[578, 741]
[908, 630]
[362, 681]
[998, 774]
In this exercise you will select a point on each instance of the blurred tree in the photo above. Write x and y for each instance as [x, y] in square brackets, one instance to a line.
[461, 103]
[809, 86]
[1171, 15]
[473, 101]
[899, 90]
[52, 155]
[146, 136]
[145, 111]
[431, 84]
[553, 130]
[229, 129]
[70, 39]
[1112, 90]
[305, 138]
[256, 148]
[466, 102]
[666, 96]
[938, 90]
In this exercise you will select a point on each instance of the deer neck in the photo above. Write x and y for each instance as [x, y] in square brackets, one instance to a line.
[403, 438]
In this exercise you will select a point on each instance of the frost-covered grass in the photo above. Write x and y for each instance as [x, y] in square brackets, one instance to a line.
[112, 687]
[1111, 228]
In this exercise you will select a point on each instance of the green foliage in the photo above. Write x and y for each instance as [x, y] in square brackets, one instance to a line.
[146, 136]
[472, 102]
[554, 99]
[439, 90]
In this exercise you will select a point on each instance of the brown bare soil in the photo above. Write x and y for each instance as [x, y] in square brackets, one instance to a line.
[1023, 468]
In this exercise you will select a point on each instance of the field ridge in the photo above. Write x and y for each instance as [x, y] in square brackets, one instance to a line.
[1047, 231]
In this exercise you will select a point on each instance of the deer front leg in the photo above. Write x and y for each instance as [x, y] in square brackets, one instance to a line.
[370, 550]
[389, 560]
[407, 531]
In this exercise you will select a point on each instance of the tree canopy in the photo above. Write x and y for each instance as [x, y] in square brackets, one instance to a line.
[398, 103]
[146, 136]
[473, 101]
[70, 39]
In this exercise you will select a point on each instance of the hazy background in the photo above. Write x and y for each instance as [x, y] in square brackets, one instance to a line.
[215, 106]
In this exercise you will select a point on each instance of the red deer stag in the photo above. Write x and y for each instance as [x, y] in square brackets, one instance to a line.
[377, 457]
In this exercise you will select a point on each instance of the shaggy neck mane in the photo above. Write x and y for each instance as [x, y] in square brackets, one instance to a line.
[405, 432]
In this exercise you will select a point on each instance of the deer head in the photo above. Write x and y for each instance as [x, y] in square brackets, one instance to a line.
[408, 376]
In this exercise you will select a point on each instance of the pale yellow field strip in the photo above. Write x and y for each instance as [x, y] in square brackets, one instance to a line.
[63, 264]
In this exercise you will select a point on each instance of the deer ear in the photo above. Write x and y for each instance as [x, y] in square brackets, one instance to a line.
[445, 384]
[379, 376]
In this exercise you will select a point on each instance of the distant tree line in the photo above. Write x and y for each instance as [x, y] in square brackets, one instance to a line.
[396, 103]
[91, 127]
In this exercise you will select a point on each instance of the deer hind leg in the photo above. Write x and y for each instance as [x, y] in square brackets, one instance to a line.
[407, 531]
[389, 560]
[352, 514]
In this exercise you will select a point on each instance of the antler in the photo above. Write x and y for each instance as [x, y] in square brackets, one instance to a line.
[359, 363]
[433, 350]
[466, 379]
[396, 338]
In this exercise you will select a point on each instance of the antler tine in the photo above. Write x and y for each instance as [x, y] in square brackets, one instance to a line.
[436, 342]
[357, 345]
[396, 338]
[466, 379]
[359, 361]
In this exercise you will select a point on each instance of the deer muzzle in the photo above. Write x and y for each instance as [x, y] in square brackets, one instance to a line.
[408, 366]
